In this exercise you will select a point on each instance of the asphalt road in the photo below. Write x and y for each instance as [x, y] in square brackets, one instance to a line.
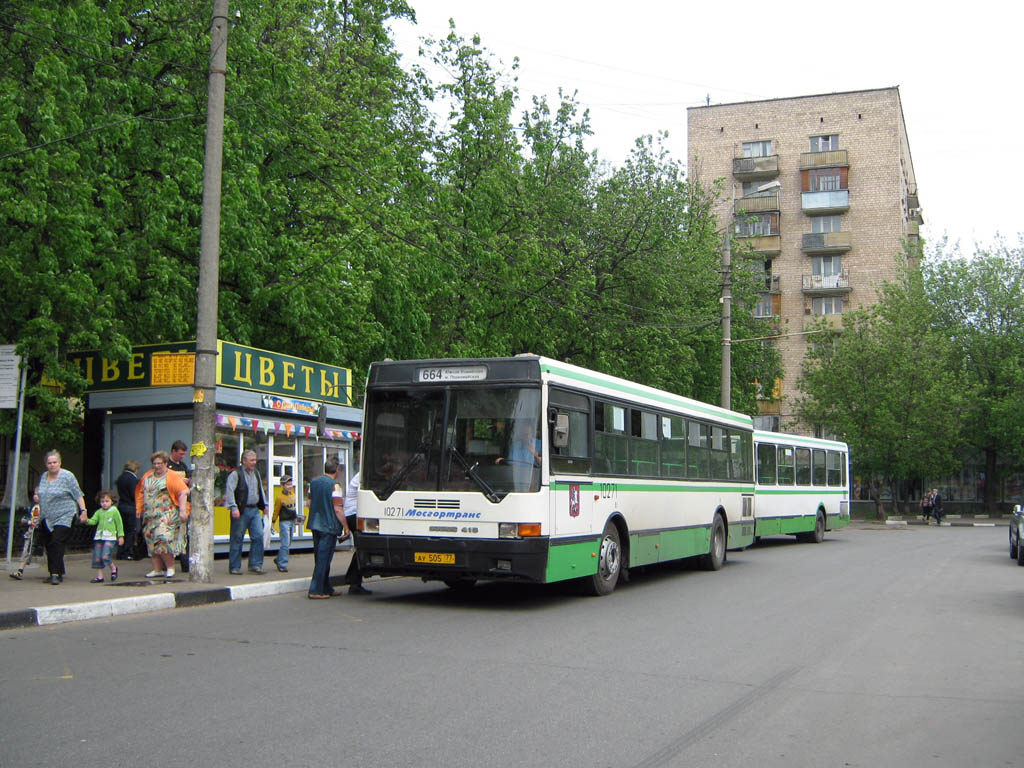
[878, 647]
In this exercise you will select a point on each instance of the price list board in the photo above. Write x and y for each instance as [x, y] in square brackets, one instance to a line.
[173, 369]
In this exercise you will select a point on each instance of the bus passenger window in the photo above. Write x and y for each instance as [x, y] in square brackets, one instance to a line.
[611, 445]
[739, 455]
[803, 466]
[835, 474]
[819, 467]
[673, 447]
[719, 454]
[643, 446]
[698, 447]
[765, 464]
[787, 464]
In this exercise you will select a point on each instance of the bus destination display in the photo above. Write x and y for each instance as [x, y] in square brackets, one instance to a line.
[461, 373]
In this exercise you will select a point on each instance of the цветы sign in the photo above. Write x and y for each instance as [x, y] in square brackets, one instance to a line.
[154, 365]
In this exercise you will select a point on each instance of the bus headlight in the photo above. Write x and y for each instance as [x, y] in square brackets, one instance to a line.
[518, 530]
[368, 524]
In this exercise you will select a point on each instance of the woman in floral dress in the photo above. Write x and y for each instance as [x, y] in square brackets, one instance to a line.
[161, 499]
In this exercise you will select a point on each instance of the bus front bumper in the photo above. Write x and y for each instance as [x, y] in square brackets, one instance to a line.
[452, 559]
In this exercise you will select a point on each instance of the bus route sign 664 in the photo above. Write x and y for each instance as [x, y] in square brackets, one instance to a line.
[452, 373]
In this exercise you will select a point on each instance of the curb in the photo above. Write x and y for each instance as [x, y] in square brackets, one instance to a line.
[124, 606]
[956, 524]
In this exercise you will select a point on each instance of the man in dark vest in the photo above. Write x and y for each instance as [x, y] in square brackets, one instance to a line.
[244, 494]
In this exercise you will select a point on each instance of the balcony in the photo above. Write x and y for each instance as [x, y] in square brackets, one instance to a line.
[755, 168]
[769, 245]
[824, 202]
[826, 242]
[822, 285]
[762, 204]
[912, 201]
[835, 158]
[811, 322]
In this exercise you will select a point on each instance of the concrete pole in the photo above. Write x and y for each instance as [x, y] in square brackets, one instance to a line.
[727, 317]
[205, 392]
[16, 481]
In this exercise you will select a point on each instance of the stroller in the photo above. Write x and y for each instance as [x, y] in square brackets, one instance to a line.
[26, 549]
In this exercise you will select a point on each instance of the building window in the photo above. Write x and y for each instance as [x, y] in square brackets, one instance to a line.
[763, 308]
[757, 148]
[750, 189]
[827, 265]
[825, 143]
[827, 305]
[767, 423]
[758, 224]
[824, 224]
[824, 180]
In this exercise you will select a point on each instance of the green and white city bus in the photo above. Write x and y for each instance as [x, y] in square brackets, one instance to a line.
[803, 485]
[530, 469]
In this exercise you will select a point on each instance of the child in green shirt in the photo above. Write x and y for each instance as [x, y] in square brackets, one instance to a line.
[109, 531]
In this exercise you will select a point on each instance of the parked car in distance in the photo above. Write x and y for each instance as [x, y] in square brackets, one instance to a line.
[1016, 531]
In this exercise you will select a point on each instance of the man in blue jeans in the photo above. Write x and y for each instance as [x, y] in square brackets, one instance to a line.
[326, 521]
[244, 494]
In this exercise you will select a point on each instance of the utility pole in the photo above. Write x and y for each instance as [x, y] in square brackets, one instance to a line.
[727, 312]
[204, 399]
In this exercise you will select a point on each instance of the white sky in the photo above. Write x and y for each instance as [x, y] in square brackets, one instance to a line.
[638, 65]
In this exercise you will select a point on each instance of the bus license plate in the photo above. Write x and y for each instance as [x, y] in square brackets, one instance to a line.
[434, 558]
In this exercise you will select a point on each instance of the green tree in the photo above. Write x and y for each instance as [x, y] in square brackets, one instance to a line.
[102, 128]
[890, 384]
[977, 301]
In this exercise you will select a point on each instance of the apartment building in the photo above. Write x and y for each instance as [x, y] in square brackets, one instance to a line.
[822, 189]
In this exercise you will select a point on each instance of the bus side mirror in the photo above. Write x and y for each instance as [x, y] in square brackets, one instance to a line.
[560, 435]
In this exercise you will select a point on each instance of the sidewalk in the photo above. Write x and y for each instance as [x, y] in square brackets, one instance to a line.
[971, 521]
[33, 602]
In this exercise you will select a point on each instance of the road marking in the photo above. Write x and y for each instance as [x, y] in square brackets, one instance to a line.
[702, 729]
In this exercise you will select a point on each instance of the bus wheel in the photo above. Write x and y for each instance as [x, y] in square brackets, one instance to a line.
[715, 558]
[609, 563]
[819, 529]
[460, 584]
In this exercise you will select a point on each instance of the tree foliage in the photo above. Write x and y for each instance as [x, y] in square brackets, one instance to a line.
[355, 224]
[977, 301]
[891, 385]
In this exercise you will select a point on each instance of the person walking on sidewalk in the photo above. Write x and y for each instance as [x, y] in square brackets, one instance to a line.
[284, 518]
[353, 577]
[126, 483]
[161, 500]
[58, 494]
[936, 506]
[109, 531]
[926, 505]
[244, 493]
[326, 521]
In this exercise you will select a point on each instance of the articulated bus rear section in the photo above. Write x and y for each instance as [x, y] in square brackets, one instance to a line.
[803, 486]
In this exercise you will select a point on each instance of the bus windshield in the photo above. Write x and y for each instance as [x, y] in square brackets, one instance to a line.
[484, 440]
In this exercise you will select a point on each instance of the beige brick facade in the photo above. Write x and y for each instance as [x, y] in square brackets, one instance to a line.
[881, 196]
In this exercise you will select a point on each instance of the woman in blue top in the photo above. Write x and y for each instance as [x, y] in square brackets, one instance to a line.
[59, 497]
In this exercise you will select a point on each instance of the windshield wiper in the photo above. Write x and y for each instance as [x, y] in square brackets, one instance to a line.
[403, 473]
[473, 475]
